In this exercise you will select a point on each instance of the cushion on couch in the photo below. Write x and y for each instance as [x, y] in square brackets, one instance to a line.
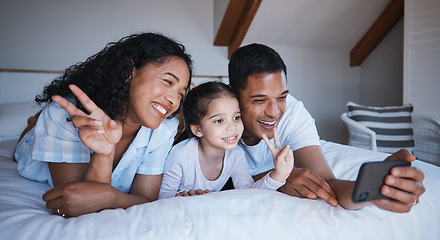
[392, 125]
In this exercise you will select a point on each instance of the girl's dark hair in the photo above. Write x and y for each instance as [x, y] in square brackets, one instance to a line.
[253, 59]
[105, 76]
[195, 105]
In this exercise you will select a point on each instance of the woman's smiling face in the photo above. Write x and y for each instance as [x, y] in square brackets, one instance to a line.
[156, 91]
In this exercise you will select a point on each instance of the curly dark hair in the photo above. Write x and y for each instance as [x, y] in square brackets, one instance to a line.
[103, 76]
[253, 59]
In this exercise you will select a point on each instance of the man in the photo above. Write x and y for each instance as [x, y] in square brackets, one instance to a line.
[259, 77]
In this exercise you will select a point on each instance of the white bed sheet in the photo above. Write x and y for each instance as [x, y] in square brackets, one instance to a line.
[233, 214]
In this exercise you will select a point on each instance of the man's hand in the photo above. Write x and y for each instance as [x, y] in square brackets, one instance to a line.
[304, 183]
[404, 185]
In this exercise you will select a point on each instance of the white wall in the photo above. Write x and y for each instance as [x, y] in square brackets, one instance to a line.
[323, 80]
[422, 56]
[53, 35]
[49, 34]
[20, 87]
[381, 74]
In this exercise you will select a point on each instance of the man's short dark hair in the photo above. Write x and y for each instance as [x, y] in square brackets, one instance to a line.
[253, 59]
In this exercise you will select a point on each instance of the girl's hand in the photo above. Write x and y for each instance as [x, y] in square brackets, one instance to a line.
[96, 130]
[192, 193]
[282, 158]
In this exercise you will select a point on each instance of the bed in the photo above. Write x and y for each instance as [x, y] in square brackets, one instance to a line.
[232, 214]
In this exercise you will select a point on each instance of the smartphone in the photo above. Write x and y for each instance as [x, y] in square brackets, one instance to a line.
[370, 179]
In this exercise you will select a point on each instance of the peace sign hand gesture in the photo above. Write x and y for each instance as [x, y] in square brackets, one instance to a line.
[96, 130]
[282, 158]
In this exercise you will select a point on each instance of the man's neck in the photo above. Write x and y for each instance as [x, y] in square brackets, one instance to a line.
[250, 140]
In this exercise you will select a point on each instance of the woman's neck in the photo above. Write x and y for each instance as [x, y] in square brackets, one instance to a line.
[129, 129]
[129, 132]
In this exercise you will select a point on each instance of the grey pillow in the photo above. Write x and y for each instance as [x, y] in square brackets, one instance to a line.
[392, 125]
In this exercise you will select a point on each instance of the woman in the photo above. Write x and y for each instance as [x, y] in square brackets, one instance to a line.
[104, 146]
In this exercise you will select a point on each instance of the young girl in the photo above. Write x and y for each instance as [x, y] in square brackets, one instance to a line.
[204, 162]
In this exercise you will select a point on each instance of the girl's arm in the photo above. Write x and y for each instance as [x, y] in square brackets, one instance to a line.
[241, 177]
[179, 165]
[193, 192]
[172, 176]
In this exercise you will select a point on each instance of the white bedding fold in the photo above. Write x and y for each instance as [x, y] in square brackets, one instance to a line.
[234, 214]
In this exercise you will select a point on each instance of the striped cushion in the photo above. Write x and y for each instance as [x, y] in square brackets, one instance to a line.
[392, 125]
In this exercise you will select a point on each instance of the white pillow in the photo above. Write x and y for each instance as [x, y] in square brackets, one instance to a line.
[14, 116]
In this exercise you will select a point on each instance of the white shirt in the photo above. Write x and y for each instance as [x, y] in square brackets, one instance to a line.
[296, 128]
[183, 172]
[53, 139]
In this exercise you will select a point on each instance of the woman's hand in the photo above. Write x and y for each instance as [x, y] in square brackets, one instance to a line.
[78, 198]
[96, 130]
[403, 186]
[192, 193]
[282, 158]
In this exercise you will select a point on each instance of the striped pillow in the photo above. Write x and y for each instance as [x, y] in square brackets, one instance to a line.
[392, 125]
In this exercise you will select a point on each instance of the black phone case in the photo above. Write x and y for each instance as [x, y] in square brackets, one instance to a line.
[371, 178]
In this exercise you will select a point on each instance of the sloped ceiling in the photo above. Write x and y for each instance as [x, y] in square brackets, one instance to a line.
[329, 24]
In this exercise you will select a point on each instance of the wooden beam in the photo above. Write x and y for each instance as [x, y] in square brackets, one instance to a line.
[380, 28]
[229, 22]
[236, 21]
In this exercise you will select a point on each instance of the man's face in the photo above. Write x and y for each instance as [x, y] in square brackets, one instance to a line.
[262, 105]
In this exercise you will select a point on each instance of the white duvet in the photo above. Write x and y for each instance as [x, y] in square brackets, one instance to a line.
[233, 214]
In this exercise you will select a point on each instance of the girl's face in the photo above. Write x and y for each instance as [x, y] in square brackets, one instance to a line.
[156, 92]
[221, 127]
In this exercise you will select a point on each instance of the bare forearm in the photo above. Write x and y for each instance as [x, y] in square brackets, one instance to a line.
[343, 190]
[80, 198]
[124, 200]
[100, 168]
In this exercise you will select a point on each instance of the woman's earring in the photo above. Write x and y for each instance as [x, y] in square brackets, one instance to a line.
[128, 78]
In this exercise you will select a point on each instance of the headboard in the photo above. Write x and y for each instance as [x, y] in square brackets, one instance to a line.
[18, 88]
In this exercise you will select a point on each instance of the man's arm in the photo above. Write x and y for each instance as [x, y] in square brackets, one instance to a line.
[312, 177]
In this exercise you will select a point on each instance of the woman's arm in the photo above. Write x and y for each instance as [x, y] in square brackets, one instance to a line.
[85, 187]
[98, 132]
[31, 123]
[80, 198]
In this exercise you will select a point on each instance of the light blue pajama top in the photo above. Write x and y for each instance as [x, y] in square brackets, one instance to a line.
[54, 139]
